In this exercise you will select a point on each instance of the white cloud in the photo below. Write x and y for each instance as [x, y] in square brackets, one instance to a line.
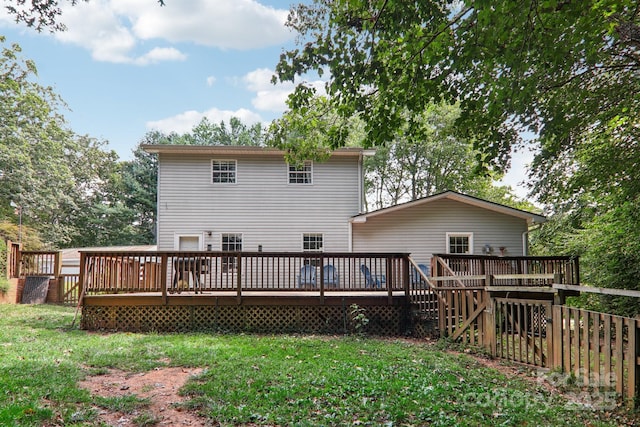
[226, 24]
[211, 80]
[160, 54]
[270, 97]
[184, 122]
[115, 30]
[97, 27]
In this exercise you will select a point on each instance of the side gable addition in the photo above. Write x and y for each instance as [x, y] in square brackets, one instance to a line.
[448, 222]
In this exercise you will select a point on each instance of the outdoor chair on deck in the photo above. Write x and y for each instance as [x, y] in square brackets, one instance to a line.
[331, 277]
[307, 276]
[372, 280]
[416, 278]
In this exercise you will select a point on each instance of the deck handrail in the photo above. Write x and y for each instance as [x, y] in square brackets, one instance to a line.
[176, 271]
[508, 270]
[40, 263]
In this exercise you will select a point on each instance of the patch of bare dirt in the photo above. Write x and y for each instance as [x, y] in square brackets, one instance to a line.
[160, 386]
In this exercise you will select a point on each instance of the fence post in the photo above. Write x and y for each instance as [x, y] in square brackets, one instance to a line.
[57, 264]
[490, 326]
[406, 276]
[18, 262]
[82, 277]
[9, 259]
[634, 352]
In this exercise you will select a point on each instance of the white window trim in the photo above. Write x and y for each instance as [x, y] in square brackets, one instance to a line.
[459, 234]
[229, 233]
[225, 260]
[300, 183]
[224, 160]
[310, 251]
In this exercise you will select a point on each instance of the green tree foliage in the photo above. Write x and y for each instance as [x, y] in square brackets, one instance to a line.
[313, 130]
[565, 71]
[38, 14]
[58, 178]
[555, 68]
[207, 133]
[424, 158]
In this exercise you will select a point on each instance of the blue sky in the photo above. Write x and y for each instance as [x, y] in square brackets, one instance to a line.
[125, 67]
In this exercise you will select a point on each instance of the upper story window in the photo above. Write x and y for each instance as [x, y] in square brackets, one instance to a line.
[459, 243]
[223, 171]
[312, 242]
[302, 174]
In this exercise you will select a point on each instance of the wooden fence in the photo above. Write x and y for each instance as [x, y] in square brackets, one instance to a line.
[600, 350]
[69, 293]
[530, 324]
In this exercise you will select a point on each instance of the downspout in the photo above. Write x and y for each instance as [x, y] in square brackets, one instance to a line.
[361, 183]
[525, 242]
[525, 239]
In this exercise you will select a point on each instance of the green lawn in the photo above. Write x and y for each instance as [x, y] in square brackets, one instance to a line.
[266, 380]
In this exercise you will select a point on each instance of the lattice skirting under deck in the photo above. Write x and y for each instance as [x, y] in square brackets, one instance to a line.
[382, 320]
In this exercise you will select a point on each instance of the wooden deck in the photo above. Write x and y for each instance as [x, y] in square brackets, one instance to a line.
[255, 311]
[299, 292]
[247, 298]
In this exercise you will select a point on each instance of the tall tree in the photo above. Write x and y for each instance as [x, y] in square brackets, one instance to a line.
[58, 179]
[567, 72]
[313, 130]
[235, 133]
[34, 144]
[424, 158]
[559, 69]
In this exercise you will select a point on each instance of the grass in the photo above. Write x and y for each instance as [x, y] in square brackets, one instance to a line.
[264, 380]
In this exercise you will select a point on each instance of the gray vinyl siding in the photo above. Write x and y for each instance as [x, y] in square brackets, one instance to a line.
[261, 205]
[421, 230]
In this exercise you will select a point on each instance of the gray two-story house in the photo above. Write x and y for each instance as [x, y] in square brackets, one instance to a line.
[233, 198]
[241, 198]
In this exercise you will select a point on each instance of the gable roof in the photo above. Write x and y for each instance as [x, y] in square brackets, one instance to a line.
[530, 217]
[237, 150]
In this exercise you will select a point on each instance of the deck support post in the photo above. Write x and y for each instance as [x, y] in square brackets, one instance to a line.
[239, 277]
[163, 278]
[390, 277]
[321, 280]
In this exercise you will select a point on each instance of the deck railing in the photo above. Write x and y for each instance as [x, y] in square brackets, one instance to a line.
[13, 260]
[475, 270]
[40, 263]
[174, 272]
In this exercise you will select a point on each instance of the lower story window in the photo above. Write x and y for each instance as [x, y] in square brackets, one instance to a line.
[231, 242]
[312, 242]
[459, 243]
